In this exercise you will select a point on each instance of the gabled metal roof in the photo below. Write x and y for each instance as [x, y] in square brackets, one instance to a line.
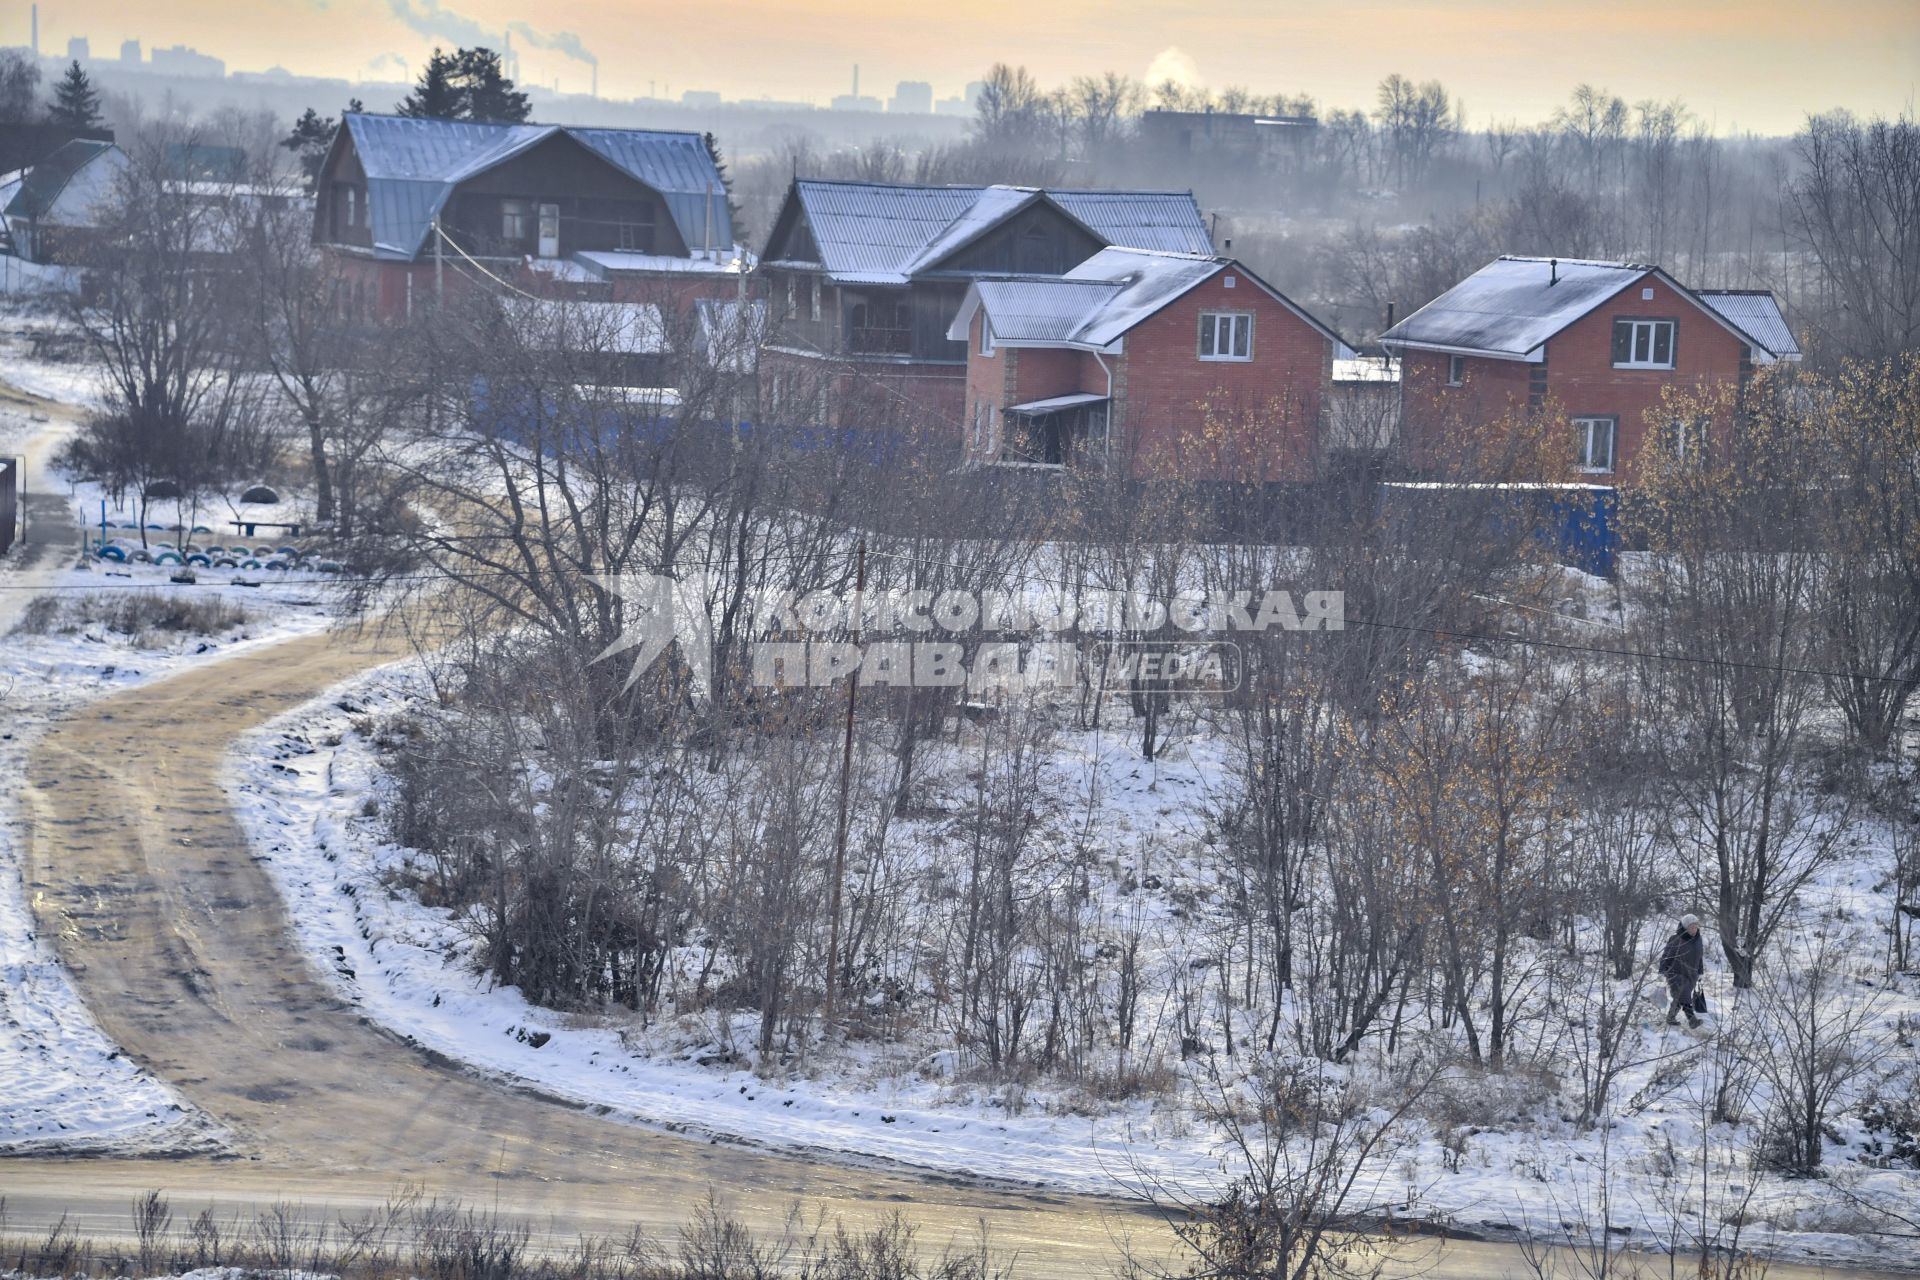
[1166, 220]
[40, 187]
[1094, 305]
[1757, 312]
[1511, 307]
[412, 166]
[884, 233]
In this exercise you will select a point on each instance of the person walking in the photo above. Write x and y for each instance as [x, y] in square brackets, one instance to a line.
[1681, 962]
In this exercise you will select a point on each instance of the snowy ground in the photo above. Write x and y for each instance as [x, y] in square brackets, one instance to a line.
[307, 786]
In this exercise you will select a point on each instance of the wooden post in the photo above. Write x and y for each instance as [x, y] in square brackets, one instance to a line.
[846, 779]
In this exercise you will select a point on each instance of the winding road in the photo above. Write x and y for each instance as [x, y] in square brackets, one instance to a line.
[180, 944]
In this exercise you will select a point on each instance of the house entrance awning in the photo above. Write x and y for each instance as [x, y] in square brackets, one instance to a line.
[1054, 404]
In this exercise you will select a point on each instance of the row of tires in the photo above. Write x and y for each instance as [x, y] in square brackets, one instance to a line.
[217, 558]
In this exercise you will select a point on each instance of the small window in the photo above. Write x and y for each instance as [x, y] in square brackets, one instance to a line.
[516, 221]
[1456, 371]
[793, 298]
[1685, 441]
[1593, 444]
[813, 300]
[986, 335]
[1643, 344]
[1226, 335]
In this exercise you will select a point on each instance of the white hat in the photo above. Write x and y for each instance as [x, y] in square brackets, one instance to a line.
[1689, 920]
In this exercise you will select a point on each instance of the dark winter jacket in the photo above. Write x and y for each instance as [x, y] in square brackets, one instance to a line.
[1683, 957]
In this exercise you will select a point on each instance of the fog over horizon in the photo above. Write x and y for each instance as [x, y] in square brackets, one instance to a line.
[1759, 67]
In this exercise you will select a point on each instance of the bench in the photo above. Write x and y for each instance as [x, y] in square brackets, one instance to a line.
[248, 526]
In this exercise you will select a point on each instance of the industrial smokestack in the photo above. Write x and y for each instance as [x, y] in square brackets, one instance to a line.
[856, 78]
[596, 80]
[36, 31]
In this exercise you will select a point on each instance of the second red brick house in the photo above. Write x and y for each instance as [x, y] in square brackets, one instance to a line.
[1600, 341]
[1168, 363]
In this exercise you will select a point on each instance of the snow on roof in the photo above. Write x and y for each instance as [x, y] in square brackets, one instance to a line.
[1054, 404]
[41, 186]
[1165, 220]
[883, 233]
[1513, 305]
[1365, 369]
[412, 166]
[1095, 304]
[614, 328]
[1043, 310]
[604, 262]
[1755, 312]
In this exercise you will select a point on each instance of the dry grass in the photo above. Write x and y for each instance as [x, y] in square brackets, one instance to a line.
[152, 618]
[414, 1238]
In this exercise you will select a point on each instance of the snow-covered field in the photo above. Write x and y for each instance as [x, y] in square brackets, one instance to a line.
[303, 786]
[308, 786]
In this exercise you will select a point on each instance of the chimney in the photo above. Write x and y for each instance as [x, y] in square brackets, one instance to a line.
[36, 31]
[1553, 272]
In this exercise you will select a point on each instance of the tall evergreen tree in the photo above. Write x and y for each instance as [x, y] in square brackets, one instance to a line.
[76, 104]
[309, 139]
[489, 94]
[467, 84]
[437, 95]
[726, 186]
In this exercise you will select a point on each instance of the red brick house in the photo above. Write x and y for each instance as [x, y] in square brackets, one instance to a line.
[611, 214]
[1168, 363]
[861, 281]
[1601, 341]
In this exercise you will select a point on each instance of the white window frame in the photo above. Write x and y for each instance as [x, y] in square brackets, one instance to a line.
[1240, 325]
[813, 300]
[1686, 441]
[1583, 452]
[986, 335]
[1650, 329]
[1456, 371]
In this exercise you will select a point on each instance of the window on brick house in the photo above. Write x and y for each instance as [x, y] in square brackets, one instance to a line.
[1226, 335]
[1593, 444]
[1643, 344]
[1685, 441]
[1456, 371]
[986, 335]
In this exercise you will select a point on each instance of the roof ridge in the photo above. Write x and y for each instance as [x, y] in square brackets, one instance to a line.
[524, 124]
[1580, 262]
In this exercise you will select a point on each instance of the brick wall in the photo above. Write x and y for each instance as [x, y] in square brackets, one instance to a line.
[1579, 379]
[1254, 421]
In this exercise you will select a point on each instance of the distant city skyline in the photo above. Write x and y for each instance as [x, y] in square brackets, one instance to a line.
[1757, 65]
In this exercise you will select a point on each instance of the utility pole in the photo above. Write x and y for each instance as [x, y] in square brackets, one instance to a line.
[439, 263]
[846, 779]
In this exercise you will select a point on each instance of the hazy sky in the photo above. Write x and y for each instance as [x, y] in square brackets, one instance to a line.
[1740, 64]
